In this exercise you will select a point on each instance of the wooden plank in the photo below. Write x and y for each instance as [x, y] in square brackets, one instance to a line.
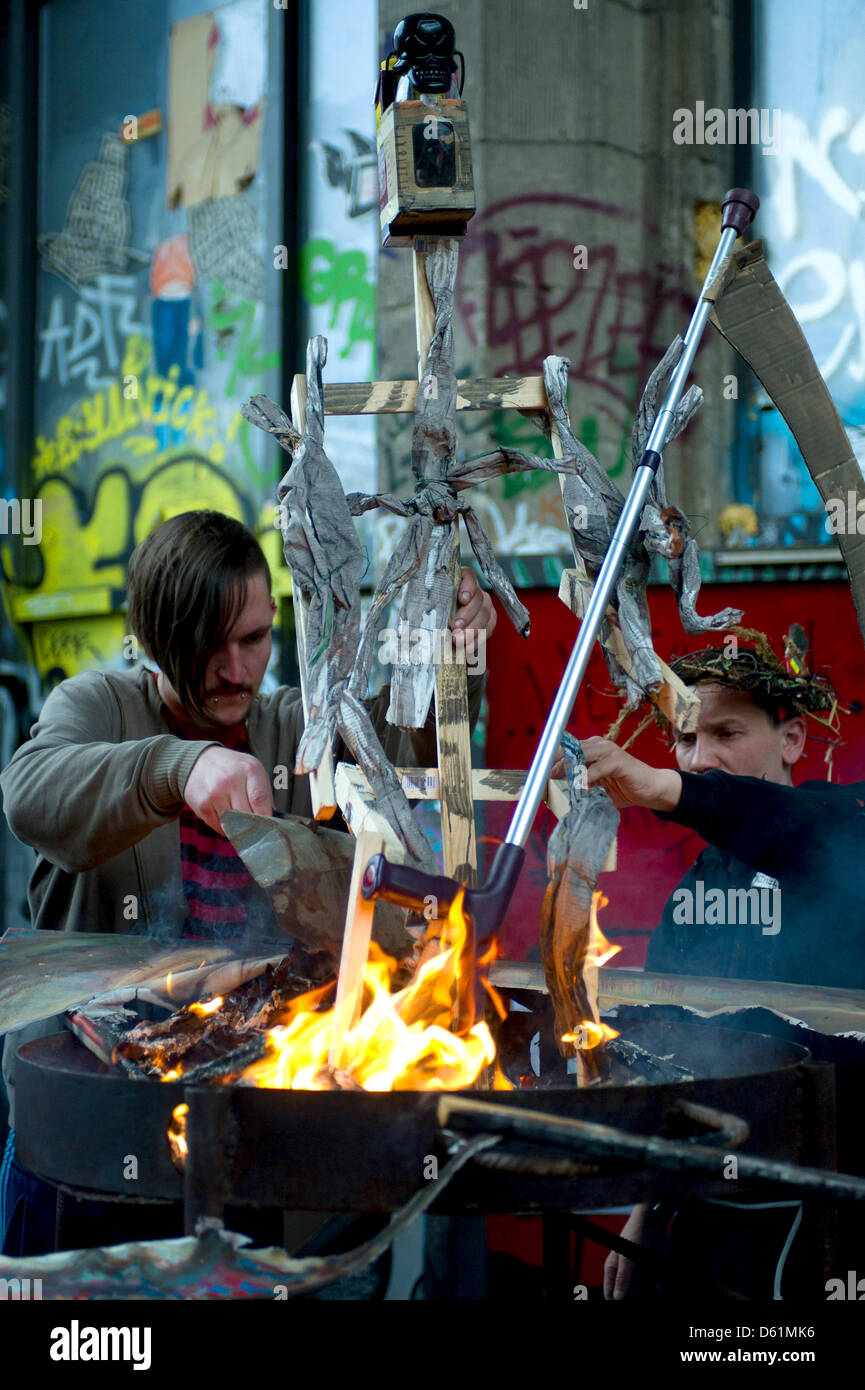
[358, 806]
[423, 783]
[424, 309]
[321, 784]
[355, 948]
[828, 1010]
[453, 743]
[453, 736]
[398, 397]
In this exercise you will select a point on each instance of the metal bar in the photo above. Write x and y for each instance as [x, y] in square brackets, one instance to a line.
[586, 1136]
[644, 475]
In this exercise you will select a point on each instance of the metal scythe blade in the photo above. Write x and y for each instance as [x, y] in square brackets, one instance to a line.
[755, 318]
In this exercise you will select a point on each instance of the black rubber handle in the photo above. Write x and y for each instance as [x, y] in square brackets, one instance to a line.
[738, 209]
[399, 883]
[485, 907]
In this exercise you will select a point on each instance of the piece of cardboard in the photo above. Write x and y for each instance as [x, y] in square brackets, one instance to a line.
[755, 318]
[213, 146]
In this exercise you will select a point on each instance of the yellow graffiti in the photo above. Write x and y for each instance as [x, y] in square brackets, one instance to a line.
[184, 487]
[128, 411]
[92, 555]
[75, 555]
[77, 644]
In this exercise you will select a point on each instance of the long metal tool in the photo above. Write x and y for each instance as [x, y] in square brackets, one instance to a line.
[485, 907]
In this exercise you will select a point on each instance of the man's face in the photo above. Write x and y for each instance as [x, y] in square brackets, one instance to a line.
[735, 735]
[235, 672]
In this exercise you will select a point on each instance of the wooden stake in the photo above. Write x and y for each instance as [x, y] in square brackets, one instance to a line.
[453, 737]
[355, 947]
[321, 783]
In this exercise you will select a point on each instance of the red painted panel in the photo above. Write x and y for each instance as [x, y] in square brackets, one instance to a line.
[653, 855]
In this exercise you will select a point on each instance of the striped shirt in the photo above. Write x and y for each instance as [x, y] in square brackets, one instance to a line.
[215, 879]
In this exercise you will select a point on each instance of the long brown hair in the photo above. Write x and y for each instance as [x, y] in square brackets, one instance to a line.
[186, 589]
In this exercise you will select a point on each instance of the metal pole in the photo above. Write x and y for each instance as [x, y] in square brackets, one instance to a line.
[486, 906]
[545, 755]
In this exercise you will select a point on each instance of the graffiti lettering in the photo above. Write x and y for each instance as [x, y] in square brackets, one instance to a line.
[103, 317]
[340, 279]
[832, 282]
[111, 415]
[610, 335]
[236, 322]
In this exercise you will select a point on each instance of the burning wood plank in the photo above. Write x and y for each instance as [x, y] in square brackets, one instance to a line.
[222, 1037]
[576, 853]
[277, 1030]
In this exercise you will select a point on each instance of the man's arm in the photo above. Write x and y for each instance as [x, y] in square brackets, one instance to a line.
[768, 826]
[78, 795]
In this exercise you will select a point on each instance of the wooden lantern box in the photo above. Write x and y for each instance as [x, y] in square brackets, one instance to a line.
[424, 171]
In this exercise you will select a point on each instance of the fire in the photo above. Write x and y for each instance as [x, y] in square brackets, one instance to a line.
[600, 950]
[177, 1136]
[591, 1032]
[403, 1040]
[202, 1010]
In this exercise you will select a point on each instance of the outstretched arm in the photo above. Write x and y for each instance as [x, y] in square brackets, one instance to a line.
[79, 795]
[765, 824]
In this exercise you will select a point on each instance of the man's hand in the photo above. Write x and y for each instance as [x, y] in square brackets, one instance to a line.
[222, 780]
[618, 1269]
[626, 780]
[475, 618]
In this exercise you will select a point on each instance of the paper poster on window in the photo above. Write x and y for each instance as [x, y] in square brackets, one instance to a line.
[215, 103]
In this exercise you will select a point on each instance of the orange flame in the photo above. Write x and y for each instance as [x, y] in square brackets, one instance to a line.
[177, 1136]
[590, 1032]
[202, 1010]
[421, 1037]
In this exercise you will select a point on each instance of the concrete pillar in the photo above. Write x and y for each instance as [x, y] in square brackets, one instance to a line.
[571, 116]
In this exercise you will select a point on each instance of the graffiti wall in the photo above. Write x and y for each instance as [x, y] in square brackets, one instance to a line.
[338, 258]
[528, 288]
[811, 220]
[155, 309]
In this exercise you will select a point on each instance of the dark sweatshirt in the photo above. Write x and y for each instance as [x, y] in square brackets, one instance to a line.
[810, 842]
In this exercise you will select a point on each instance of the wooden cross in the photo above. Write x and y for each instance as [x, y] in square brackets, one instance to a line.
[345, 786]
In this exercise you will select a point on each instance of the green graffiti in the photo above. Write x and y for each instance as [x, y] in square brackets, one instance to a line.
[588, 434]
[341, 279]
[553, 569]
[246, 341]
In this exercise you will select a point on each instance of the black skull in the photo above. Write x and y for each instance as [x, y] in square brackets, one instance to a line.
[424, 45]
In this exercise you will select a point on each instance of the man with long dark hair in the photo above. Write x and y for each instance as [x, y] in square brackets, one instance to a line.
[121, 784]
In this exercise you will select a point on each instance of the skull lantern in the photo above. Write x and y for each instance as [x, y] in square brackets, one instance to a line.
[424, 46]
[422, 135]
